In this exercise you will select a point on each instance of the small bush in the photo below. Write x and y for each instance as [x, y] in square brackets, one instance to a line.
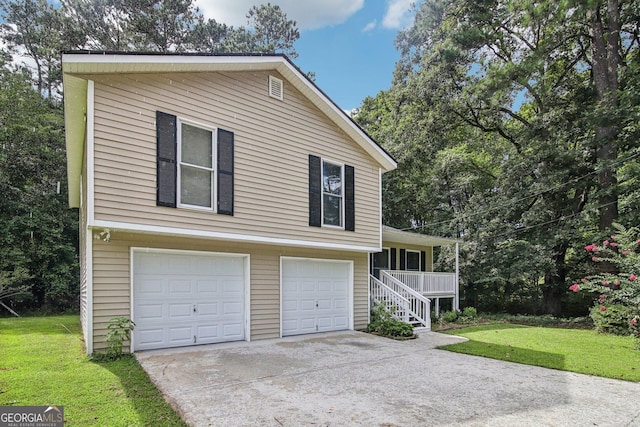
[383, 323]
[119, 331]
[470, 312]
[612, 319]
[450, 316]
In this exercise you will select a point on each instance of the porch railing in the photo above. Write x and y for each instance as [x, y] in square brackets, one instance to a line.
[408, 304]
[426, 283]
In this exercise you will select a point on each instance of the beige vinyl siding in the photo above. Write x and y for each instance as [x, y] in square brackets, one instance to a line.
[273, 140]
[112, 287]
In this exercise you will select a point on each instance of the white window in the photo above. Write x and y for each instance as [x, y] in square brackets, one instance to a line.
[413, 260]
[332, 194]
[196, 159]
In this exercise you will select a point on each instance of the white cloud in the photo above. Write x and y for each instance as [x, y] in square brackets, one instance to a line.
[309, 15]
[370, 26]
[398, 14]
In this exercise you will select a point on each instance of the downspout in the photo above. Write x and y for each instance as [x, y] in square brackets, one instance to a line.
[456, 301]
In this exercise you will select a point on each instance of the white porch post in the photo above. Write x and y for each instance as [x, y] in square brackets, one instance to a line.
[437, 307]
[456, 299]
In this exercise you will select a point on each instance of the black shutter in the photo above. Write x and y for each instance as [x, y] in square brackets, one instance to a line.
[349, 200]
[371, 258]
[315, 191]
[393, 258]
[225, 172]
[403, 259]
[166, 156]
[423, 261]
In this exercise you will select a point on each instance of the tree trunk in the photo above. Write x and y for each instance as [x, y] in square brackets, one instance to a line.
[555, 283]
[552, 301]
[605, 41]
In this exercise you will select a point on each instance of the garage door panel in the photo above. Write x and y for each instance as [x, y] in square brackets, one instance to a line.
[150, 312]
[207, 288]
[167, 287]
[179, 311]
[180, 287]
[232, 308]
[150, 286]
[315, 296]
[205, 309]
[180, 335]
[150, 337]
[232, 331]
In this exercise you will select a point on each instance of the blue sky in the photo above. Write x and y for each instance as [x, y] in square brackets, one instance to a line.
[347, 43]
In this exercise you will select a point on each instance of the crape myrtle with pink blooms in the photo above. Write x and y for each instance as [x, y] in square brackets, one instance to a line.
[617, 308]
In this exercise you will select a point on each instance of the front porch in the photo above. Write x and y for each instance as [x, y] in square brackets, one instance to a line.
[402, 276]
[433, 285]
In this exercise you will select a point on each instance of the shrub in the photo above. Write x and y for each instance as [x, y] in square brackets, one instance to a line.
[383, 323]
[612, 319]
[450, 316]
[119, 331]
[618, 301]
[470, 313]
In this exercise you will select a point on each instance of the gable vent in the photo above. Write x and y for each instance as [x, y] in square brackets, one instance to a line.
[276, 88]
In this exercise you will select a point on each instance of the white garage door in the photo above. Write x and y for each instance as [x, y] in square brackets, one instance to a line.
[186, 298]
[315, 296]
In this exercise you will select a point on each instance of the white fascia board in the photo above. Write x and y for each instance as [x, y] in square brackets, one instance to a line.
[75, 110]
[185, 232]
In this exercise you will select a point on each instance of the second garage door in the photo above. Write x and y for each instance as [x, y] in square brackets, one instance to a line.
[315, 295]
[186, 298]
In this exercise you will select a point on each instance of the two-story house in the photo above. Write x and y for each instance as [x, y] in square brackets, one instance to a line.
[221, 198]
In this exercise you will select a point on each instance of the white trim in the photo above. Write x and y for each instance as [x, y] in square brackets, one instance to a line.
[380, 202]
[350, 291]
[247, 278]
[369, 271]
[342, 195]
[90, 151]
[185, 232]
[89, 284]
[406, 259]
[212, 170]
[456, 301]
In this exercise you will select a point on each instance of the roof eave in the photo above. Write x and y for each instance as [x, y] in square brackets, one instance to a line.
[75, 110]
[393, 235]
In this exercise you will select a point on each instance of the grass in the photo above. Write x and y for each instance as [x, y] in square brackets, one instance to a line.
[576, 350]
[43, 363]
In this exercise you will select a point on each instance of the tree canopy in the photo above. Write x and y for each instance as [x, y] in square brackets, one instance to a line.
[516, 129]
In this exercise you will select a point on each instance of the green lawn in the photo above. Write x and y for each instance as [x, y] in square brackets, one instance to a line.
[42, 362]
[575, 350]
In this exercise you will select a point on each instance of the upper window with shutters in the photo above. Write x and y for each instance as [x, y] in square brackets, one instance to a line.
[195, 165]
[331, 194]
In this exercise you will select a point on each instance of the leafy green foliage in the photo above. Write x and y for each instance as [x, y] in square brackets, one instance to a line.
[618, 287]
[38, 232]
[504, 138]
[118, 332]
[383, 323]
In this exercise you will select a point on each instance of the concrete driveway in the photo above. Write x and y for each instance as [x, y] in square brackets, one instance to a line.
[352, 378]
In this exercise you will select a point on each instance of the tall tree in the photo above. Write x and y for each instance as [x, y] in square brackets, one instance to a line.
[272, 30]
[36, 29]
[522, 75]
[38, 232]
